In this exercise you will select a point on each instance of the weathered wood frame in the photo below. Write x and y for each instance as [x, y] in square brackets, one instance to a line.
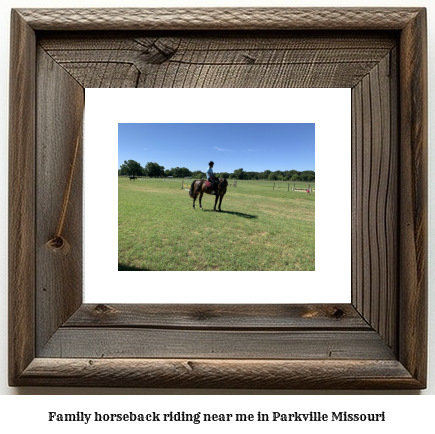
[377, 341]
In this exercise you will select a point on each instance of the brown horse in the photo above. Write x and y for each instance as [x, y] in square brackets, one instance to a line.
[202, 186]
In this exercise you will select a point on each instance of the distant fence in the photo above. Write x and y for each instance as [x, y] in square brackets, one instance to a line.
[185, 185]
[128, 176]
[187, 182]
[308, 190]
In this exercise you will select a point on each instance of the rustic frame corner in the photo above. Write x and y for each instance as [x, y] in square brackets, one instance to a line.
[376, 342]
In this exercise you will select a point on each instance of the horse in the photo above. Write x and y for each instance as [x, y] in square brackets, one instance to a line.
[201, 186]
[132, 177]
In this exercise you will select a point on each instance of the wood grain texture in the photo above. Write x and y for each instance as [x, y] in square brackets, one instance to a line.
[220, 18]
[378, 342]
[146, 342]
[414, 189]
[228, 374]
[210, 61]
[59, 280]
[375, 198]
[220, 317]
[21, 197]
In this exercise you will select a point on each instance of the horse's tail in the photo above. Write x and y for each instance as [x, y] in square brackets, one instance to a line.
[191, 191]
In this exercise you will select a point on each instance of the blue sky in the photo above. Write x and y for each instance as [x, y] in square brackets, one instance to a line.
[253, 147]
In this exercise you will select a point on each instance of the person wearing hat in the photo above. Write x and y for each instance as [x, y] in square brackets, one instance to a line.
[210, 177]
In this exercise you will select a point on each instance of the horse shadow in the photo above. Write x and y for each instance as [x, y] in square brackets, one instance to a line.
[238, 214]
[122, 267]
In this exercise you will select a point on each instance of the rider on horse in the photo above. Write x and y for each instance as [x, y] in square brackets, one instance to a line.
[218, 188]
[210, 177]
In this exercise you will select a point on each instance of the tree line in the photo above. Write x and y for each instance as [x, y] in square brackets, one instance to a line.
[154, 170]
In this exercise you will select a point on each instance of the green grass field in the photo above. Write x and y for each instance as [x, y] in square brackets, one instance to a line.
[258, 229]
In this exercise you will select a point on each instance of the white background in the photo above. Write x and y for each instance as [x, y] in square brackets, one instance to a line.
[408, 412]
[329, 109]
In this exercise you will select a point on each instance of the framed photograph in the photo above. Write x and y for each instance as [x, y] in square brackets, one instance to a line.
[264, 226]
[377, 341]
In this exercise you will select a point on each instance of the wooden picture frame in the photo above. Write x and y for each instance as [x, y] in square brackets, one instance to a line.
[376, 342]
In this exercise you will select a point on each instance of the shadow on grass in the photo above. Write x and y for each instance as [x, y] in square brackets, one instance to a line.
[122, 267]
[239, 214]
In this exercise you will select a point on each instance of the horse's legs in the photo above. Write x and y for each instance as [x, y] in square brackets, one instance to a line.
[215, 202]
[220, 202]
[194, 198]
[200, 198]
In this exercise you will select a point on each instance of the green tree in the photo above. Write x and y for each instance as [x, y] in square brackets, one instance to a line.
[295, 177]
[185, 172]
[198, 174]
[176, 172]
[131, 168]
[181, 172]
[239, 174]
[308, 176]
[153, 170]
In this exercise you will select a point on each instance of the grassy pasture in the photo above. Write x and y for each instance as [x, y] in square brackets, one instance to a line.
[258, 229]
